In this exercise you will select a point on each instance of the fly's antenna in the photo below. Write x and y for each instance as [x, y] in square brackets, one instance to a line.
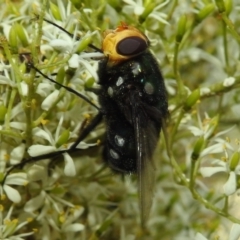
[65, 87]
[70, 34]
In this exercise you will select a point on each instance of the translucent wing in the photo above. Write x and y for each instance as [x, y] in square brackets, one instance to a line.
[147, 123]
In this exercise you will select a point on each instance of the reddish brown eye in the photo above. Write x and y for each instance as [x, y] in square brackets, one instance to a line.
[131, 46]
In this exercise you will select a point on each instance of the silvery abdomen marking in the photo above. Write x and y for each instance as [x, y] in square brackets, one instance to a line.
[119, 141]
[110, 91]
[114, 154]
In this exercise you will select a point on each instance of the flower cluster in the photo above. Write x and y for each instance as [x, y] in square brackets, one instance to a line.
[196, 43]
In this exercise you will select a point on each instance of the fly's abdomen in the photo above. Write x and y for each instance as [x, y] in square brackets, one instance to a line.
[119, 150]
[120, 146]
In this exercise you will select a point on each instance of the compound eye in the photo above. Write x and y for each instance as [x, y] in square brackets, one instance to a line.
[131, 46]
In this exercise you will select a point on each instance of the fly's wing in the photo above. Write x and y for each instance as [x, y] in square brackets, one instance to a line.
[146, 135]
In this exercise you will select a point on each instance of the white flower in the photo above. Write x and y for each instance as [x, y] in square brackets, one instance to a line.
[14, 179]
[39, 149]
[137, 8]
[134, 6]
[230, 186]
[199, 236]
[63, 223]
[235, 232]
[68, 225]
[206, 130]
[50, 209]
[233, 235]
[206, 126]
[217, 145]
[35, 203]
[19, 179]
[10, 227]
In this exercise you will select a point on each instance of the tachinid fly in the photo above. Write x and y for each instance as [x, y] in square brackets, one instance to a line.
[133, 102]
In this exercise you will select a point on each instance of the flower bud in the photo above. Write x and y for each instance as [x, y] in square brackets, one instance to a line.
[21, 33]
[55, 11]
[13, 39]
[77, 4]
[192, 99]
[89, 83]
[207, 10]
[115, 4]
[58, 189]
[23, 68]
[220, 5]
[3, 111]
[147, 10]
[60, 77]
[234, 161]
[84, 43]
[72, 104]
[181, 28]
[200, 143]
[2, 175]
[229, 6]
[63, 138]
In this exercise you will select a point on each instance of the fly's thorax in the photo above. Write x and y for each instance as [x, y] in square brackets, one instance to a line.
[139, 75]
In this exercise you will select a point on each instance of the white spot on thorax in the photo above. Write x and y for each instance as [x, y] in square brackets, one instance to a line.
[148, 87]
[119, 81]
[136, 69]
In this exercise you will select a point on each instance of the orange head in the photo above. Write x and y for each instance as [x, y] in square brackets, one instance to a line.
[123, 43]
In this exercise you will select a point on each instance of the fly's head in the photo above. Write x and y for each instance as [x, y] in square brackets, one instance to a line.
[123, 43]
